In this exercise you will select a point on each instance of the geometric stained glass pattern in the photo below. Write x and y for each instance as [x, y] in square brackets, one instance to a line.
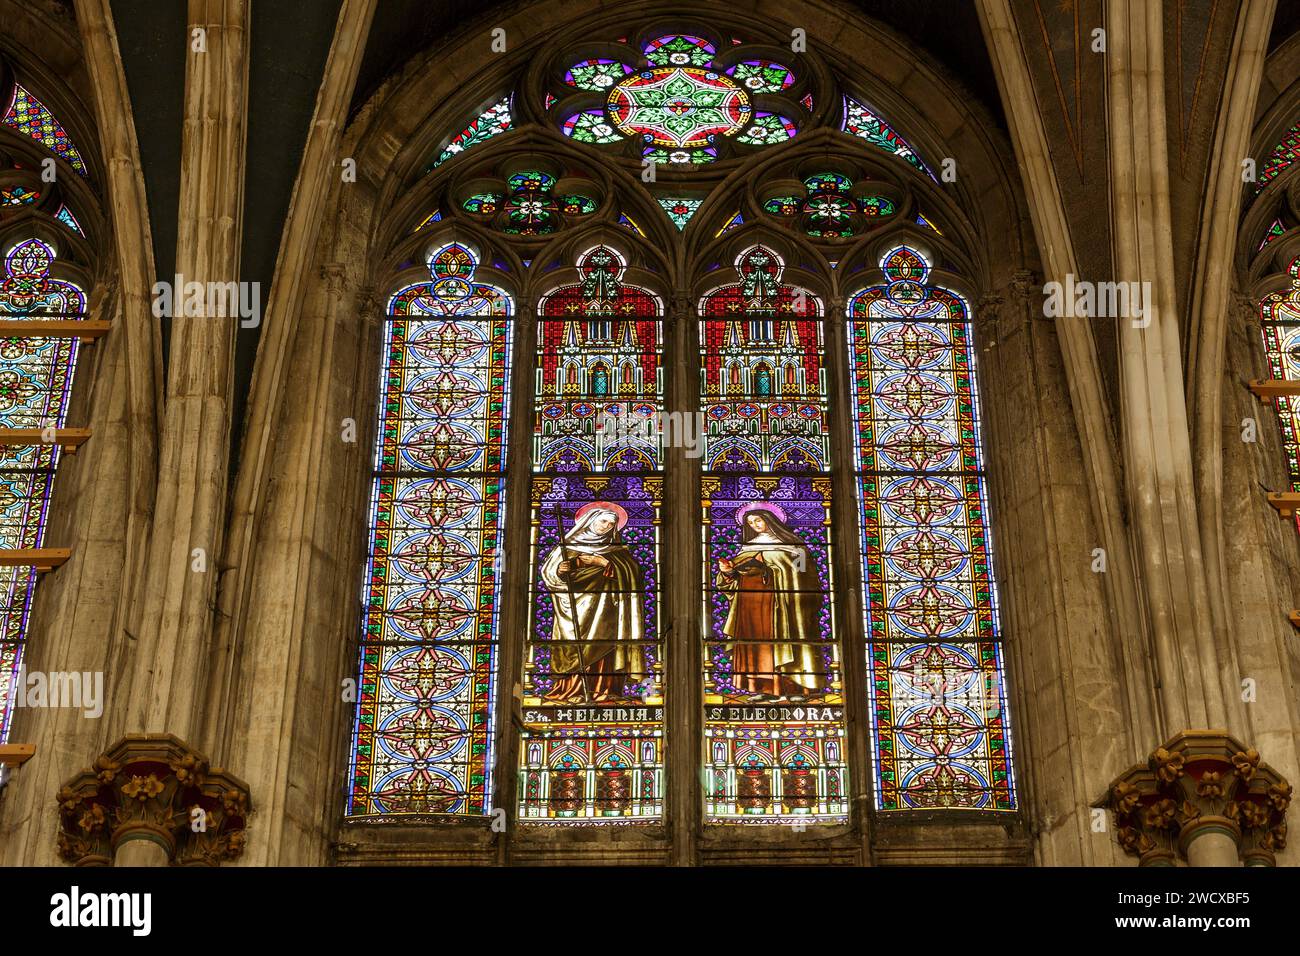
[937, 701]
[592, 744]
[28, 116]
[35, 383]
[773, 688]
[1286, 152]
[863, 123]
[424, 740]
[1279, 314]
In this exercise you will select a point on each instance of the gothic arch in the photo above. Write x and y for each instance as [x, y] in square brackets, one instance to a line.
[984, 253]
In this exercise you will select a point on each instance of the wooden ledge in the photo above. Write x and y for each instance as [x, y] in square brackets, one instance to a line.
[1294, 618]
[1273, 387]
[15, 755]
[1287, 503]
[70, 439]
[84, 329]
[42, 559]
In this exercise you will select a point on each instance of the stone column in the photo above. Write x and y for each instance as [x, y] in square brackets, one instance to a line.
[274, 702]
[1156, 444]
[103, 496]
[1081, 362]
[173, 611]
[1203, 798]
[1212, 318]
[286, 707]
[319, 171]
[683, 637]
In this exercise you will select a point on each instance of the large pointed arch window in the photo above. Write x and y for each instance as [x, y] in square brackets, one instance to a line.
[592, 744]
[940, 734]
[424, 739]
[749, 627]
[773, 692]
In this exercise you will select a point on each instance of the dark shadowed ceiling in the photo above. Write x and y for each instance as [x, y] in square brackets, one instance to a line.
[289, 42]
[948, 30]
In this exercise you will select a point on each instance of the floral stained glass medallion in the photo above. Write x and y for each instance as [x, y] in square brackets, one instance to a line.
[677, 103]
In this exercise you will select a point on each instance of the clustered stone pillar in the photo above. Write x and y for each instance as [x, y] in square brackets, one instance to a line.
[150, 800]
[1203, 798]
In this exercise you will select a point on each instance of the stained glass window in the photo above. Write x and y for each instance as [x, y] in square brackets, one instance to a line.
[28, 116]
[423, 740]
[628, 222]
[1286, 152]
[35, 382]
[762, 76]
[1275, 229]
[596, 75]
[680, 209]
[591, 749]
[591, 126]
[679, 51]
[589, 708]
[65, 216]
[773, 691]
[865, 124]
[435, 216]
[767, 129]
[529, 205]
[831, 208]
[679, 108]
[18, 195]
[735, 220]
[677, 104]
[940, 735]
[923, 220]
[1279, 314]
[495, 119]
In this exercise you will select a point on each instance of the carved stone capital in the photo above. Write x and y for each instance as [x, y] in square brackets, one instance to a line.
[152, 787]
[335, 276]
[1200, 783]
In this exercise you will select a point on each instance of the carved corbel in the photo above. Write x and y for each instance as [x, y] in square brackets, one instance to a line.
[154, 788]
[1197, 784]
